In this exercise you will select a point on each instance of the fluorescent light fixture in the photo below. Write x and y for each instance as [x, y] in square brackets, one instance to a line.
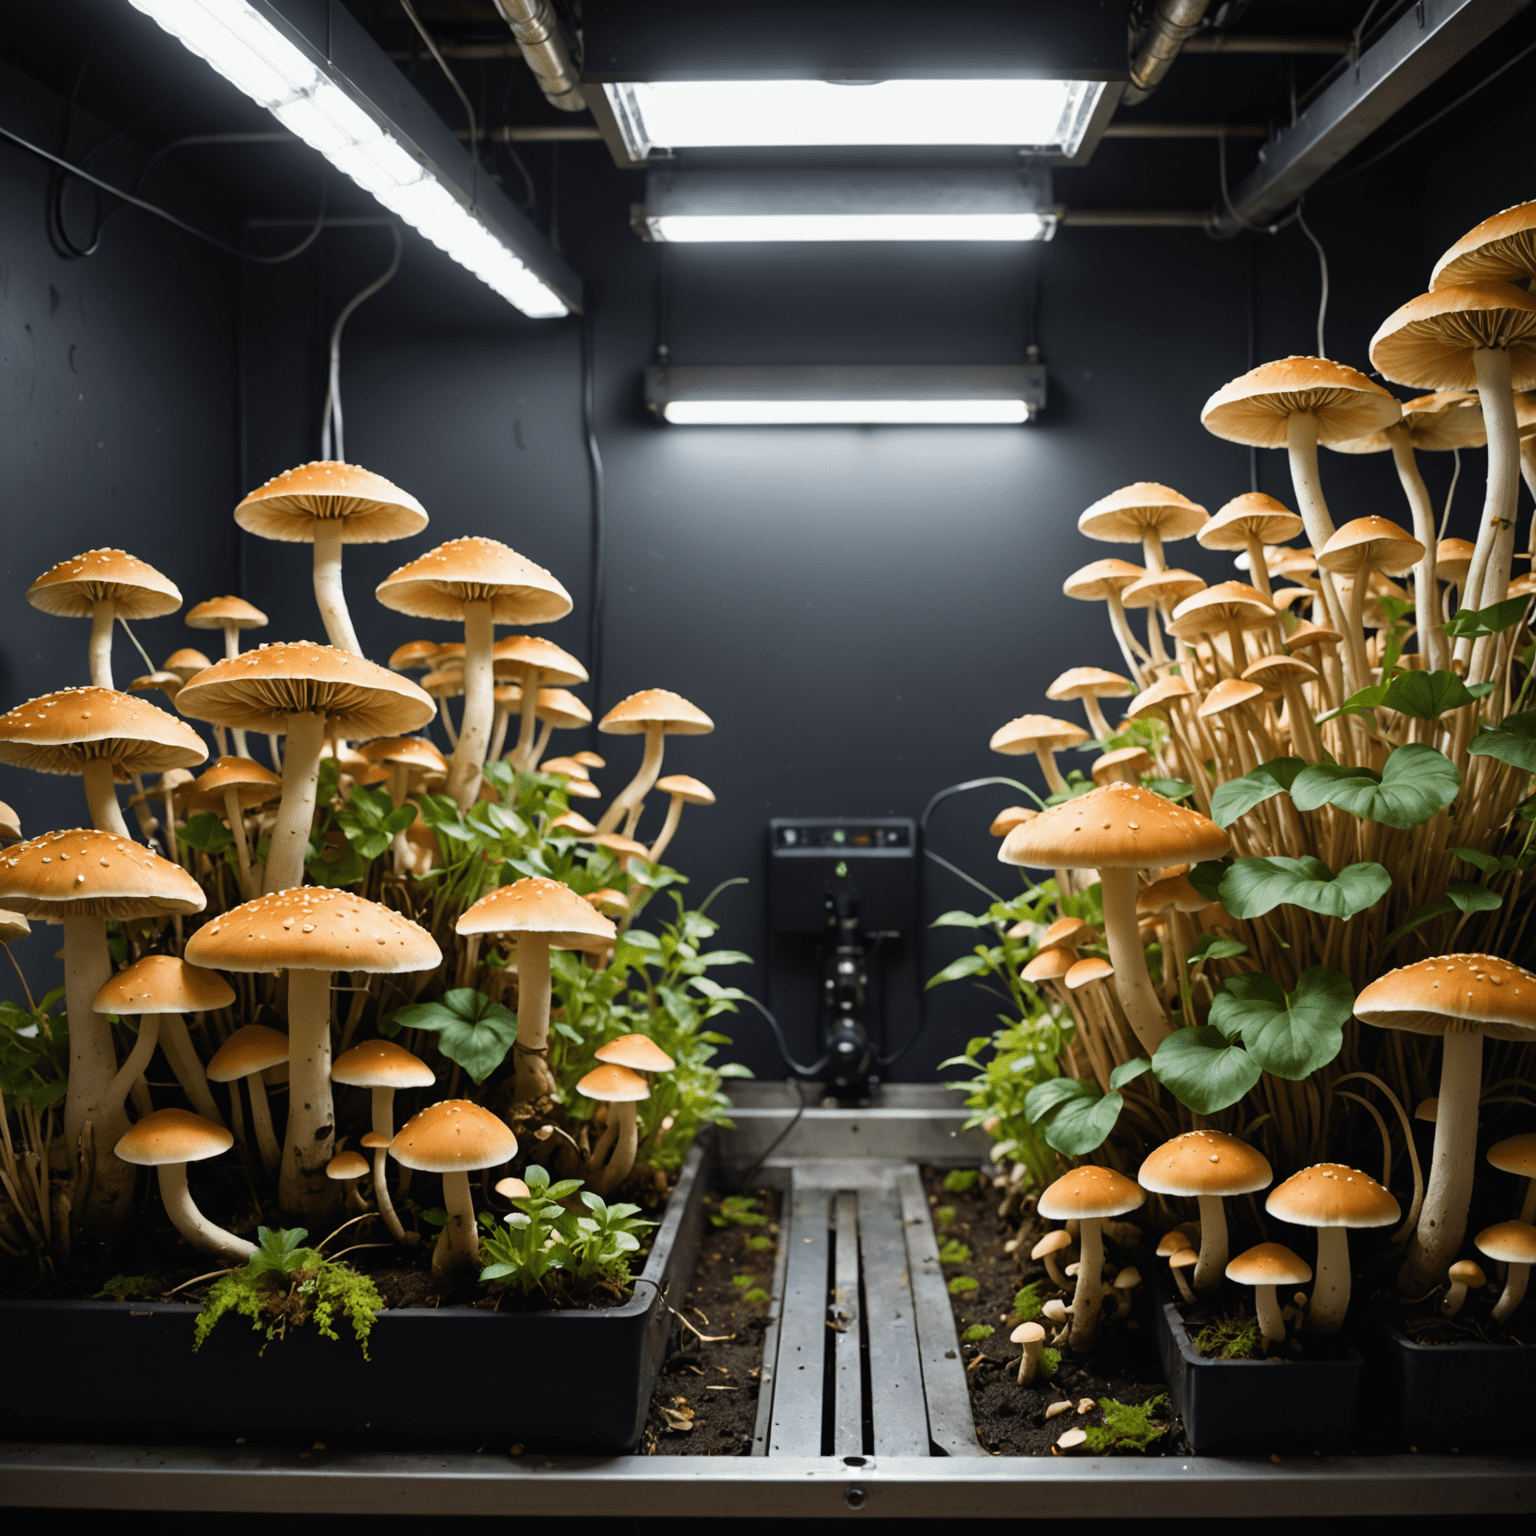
[418, 171]
[842, 395]
[1043, 116]
[683, 206]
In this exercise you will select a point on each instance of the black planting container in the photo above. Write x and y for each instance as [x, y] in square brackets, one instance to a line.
[576, 1379]
[1466, 1396]
[1255, 1405]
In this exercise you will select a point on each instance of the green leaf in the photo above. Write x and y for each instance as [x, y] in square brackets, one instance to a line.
[961, 920]
[1512, 741]
[1239, 796]
[966, 965]
[1291, 1036]
[471, 1028]
[1416, 782]
[1204, 1070]
[1359, 703]
[1129, 1071]
[1170, 789]
[1489, 863]
[1074, 1117]
[1471, 622]
[1428, 695]
[1469, 896]
[1212, 946]
[1253, 887]
[1207, 877]
[207, 833]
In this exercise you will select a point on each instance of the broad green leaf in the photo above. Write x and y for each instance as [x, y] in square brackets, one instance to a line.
[1253, 887]
[1360, 703]
[1238, 796]
[1512, 741]
[1073, 1116]
[1170, 789]
[1047, 1097]
[1129, 1071]
[1428, 695]
[1207, 877]
[1487, 621]
[1489, 863]
[1291, 1036]
[966, 965]
[1204, 1070]
[471, 1028]
[1416, 782]
[207, 833]
[1469, 896]
[961, 920]
[1212, 946]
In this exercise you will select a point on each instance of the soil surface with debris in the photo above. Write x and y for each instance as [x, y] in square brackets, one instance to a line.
[1012, 1420]
[705, 1403]
[1473, 1324]
[1224, 1327]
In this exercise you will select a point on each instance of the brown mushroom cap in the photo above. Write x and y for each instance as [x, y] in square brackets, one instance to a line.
[313, 928]
[1373, 541]
[1089, 683]
[556, 666]
[655, 706]
[73, 587]
[254, 783]
[1453, 994]
[624, 847]
[1030, 733]
[1515, 1154]
[1332, 1195]
[163, 984]
[410, 751]
[613, 1084]
[252, 1048]
[608, 901]
[222, 612]
[1429, 342]
[1173, 891]
[381, 1064]
[568, 766]
[689, 790]
[85, 873]
[1309, 636]
[1269, 1264]
[1117, 826]
[1465, 1272]
[1508, 1242]
[574, 822]
[186, 663]
[1205, 1163]
[1502, 249]
[1049, 965]
[1126, 516]
[1088, 1192]
[638, 1052]
[1271, 671]
[1067, 932]
[13, 926]
[347, 1165]
[1255, 408]
[373, 1140]
[1083, 973]
[371, 510]
[1109, 765]
[453, 1136]
[545, 908]
[1267, 520]
[414, 656]
[590, 759]
[562, 709]
[1156, 699]
[1173, 1242]
[1101, 579]
[167, 1136]
[62, 732]
[1446, 419]
[10, 824]
[259, 689]
[1010, 817]
[1229, 694]
[511, 1189]
[438, 584]
[1226, 602]
[1161, 588]
[1052, 1242]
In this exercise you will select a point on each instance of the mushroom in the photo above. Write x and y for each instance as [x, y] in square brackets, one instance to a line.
[95, 733]
[1360, 547]
[1144, 513]
[1288, 673]
[311, 932]
[1234, 703]
[1249, 522]
[1124, 766]
[1464, 1276]
[1227, 609]
[1031, 1338]
[1117, 830]
[454, 1138]
[637, 1052]
[507, 698]
[1160, 592]
[1333, 1199]
[230, 614]
[442, 686]
[683, 790]
[234, 785]
[167, 1140]
[1049, 965]
[1207, 1166]
[558, 709]
[347, 1168]
[1462, 998]
[251, 1050]
[656, 713]
[1087, 1195]
[414, 656]
[622, 1088]
[1512, 1243]
[1089, 685]
[1126, 1281]
[299, 688]
[1180, 1261]
[10, 825]
[1009, 818]
[1265, 1267]
[385, 1068]
[590, 760]
[543, 914]
[534, 663]
[1048, 1249]
[1102, 582]
[1517, 1155]
[103, 585]
[480, 583]
[1043, 736]
[329, 504]
[401, 755]
[511, 1189]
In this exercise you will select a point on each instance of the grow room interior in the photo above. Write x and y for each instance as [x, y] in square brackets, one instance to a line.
[866, 669]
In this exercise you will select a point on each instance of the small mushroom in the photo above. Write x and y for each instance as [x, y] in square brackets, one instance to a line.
[1046, 1251]
[683, 789]
[384, 1068]
[1512, 1243]
[1465, 1275]
[167, 1140]
[1517, 1155]
[1088, 1194]
[348, 1168]
[1264, 1267]
[1125, 1282]
[1031, 1337]
[1182, 1261]
[614, 1156]
[249, 1052]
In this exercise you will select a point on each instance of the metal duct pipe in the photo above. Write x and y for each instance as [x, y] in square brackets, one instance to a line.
[534, 26]
[1171, 24]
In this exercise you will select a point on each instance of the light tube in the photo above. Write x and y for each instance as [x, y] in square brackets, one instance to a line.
[685, 228]
[786, 413]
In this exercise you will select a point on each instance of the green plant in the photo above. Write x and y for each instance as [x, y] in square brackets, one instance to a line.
[1027, 1303]
[472, 1030]
[34, 1052]
[1049, 1362]
[1127, 1426]
[1234, 1337]
[946, 1215]
[954, 1252]
[757, 1296]
[744, 1281]
[962, 1285]
[759, 1244]
[738, 1211]
[977, 1332]
[284, 1285]
[126, 1287]
[961, 1181]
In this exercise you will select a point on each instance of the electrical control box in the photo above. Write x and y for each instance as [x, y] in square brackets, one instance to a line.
[812, 857]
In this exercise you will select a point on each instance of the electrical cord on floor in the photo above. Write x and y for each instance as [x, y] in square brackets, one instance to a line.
[331, 433]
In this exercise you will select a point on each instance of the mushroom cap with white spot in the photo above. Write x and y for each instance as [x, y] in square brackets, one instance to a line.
[381, 1064]
[225, 612]
[1088, 1192]
[73, 587]
[1205, 1163]
[1269, 1264]
[83, 872]
[546, 908]
[443, 582]
[1453, 994]
[1029, 733]
[1509, 1242]
[62, 732]
[1127, 515]
[1431, 342]
[370, 509]
[163, 984]
[168, 1136]
[453, 1136]
[1118, 826]
[1331, 1195]
[252, 1048]
[1257, 407]
[634, 715]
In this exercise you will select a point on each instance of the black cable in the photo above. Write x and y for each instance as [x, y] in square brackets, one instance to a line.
[1253, 348]
[459, 91]
[599, 528]
[782, 1137]
[783, 1045]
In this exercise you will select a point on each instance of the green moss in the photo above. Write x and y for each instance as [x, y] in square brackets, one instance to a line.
[977, 1332]
[758, 1296]
[954, 1252]
[1049, 1362]
[1234, 1337]
[125, 1287]
[946, 1215]
[759, 1244]
[962, 1284]
[1028, 1302]
[744, 1281]
[738, 1211]
[961, 1181]
[1127, 1426]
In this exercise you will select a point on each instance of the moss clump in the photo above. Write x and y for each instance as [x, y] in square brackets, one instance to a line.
[1234, 1337]
[738, 1211]
[744, 1281]
[946, 1215]
[962, 1284]
[757, 1296]
[126, 1287]
[284, 1285]
[1049, 1362]
[977, 1332]
[954, 1252]
[961, 1181]
[1127, 1426]
[759, 1244]
[1028, 1302]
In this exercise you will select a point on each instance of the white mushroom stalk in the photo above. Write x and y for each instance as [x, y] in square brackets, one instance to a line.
[458, 1247]
[1133, 982]
[296, 810]
[330, 596]
[192, 1224]
[1301, 443]
[101, 796]
[479, 705]
[103, 615]
[1088, 1297]
[532, 1078]
[303, 1189]
[1330, 1290]
[1487, 580]
[1453, 1164]
[176, 1044]
[523, 752]
[1426, 589]
[631, 798]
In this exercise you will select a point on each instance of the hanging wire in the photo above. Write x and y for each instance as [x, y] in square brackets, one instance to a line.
[331, 434]
[597, 572]
[1450, 495]
[453, 80]
[1322, 262]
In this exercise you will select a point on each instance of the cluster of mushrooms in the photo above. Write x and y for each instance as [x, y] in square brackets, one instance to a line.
[282, 940]
[1243, 672]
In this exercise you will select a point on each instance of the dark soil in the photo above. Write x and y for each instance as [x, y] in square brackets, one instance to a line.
[1010, 1419]
[1474, 1324]
[705, 1402]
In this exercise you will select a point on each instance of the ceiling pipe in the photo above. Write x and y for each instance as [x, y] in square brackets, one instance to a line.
[1171, 24]
[1227, 42]
[537, 32]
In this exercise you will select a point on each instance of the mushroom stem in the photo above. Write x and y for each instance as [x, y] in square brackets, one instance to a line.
[1096, 718]
[1426, 590]
[1448, 1192]
[179, 1051]
[1213, 1244]
[622, 1160]
[1029, 1361]
[1488, 576]
[329, 593]
[1129, 644]
[236, 819]
[296, 809]
[1454, 1298]
[541, 746]
[479, 704]
[231, 650]
[1258, 571]
[304, 1193]
[1513, 1294]
[528, 720]
[1047, 760]
[532, 1078]
[640, 786]
[668, 828]
[191, 1222]
[275, 752]
[103, 612]
[384, 1125]
[1271, 1324]
[1088, 1297]
[101, 796]
[1133, 984]
[267, 1149]
[136, 1060]
[1528, 1205]
[459, 1245]
[1330, 1288]
[498, 735]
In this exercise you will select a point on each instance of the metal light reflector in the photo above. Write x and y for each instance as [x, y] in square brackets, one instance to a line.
[965, 395]
[1048, 116]
[685, 206]
[252, 46]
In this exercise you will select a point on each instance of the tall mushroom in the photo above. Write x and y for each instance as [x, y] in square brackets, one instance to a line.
[1144, 513]
[298, 689]
[103, 585]
[1043, 736]
[558, 709]
[1088, 1195]
[1249, 522]
[329, 504]
[1117, 830]
[311, 932]
[654, 713]
[402, 756]
[80, 879]
[480, 583]
[1089, 685]
[230, 787]
[533, 663]
[1461, 998]
[1228, 608]
[96, 733]
[1102, 582]
[231, 615]
[613, 1157]
[682, 789]
[543, 914]
[1512, 1243]
[1359, 547]
[384, 1068]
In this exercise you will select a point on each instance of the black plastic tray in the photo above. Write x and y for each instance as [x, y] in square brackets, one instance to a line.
[579, 1380]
